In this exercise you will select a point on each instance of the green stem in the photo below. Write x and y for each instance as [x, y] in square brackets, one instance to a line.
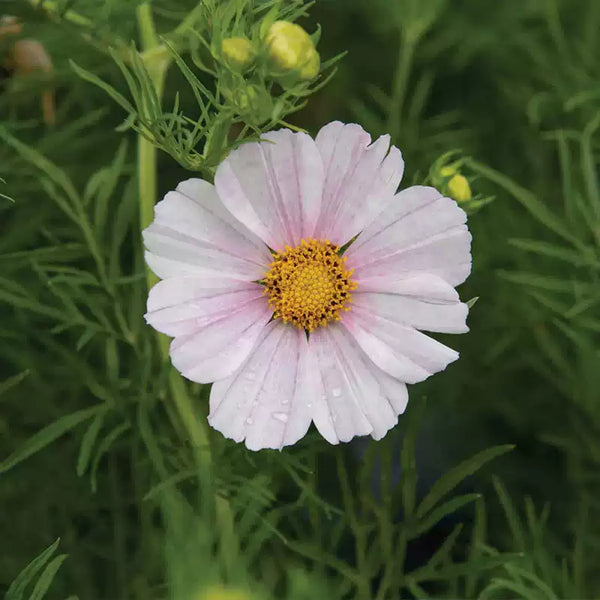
[399, 86]
[157, 64]
[54, 11]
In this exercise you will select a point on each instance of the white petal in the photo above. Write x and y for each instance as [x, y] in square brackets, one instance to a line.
[221, 344]
[424, 301]
[274, 187]
[360, 179]
[267, 400]
[183, 305]
[397, 349]
[193, 233]
[360, 399]
[413, 284]
[419, 231]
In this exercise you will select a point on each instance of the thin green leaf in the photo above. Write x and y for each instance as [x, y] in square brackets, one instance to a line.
[443, 552]
[46, 578]
[47, 435]
[535, 207]
[88, 441]
[442, 511]
[464, 568]
[574, 257]
[454, 476]
[11, 382]
[512, 517]
[104, 446]
[111, 91]
[54, 173]
[478, 537]
[408, 482]
[17, 587]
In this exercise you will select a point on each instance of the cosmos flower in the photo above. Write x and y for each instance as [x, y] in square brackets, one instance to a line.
[300, 282]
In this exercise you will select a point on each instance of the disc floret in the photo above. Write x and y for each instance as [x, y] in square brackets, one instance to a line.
[309, 285]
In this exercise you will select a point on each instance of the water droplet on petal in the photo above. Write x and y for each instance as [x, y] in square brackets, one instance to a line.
[280, 416]
[336, 392]
[249, 421]
[285, 400]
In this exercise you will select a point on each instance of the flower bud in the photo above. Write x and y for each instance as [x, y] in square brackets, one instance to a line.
[290, 48]
[223, 593]
[311, 66]
[238, 52]
[459, 188]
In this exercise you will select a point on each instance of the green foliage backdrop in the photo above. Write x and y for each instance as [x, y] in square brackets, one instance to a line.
[487, 488]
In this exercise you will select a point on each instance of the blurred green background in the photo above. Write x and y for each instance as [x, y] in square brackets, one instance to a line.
[141, 510]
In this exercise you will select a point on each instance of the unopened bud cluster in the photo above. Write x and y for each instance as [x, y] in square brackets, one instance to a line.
[288, 48]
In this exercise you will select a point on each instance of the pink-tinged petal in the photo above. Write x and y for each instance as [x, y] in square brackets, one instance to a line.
[361, 400]
[393, 389]
[222, 343]
[424, 301]
[360, 179]
[182, 305]
[413, 284]
[192, 232]
[419, 231]
[267, 400]
[274, 187]
[399, 350]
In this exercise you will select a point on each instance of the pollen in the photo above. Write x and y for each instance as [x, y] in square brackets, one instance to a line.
[309, 285]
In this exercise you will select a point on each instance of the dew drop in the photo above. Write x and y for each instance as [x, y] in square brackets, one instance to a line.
[285, 400]
[280, 416]
[249, 421]
[336, 392]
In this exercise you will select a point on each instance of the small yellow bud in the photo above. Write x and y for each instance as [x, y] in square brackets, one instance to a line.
[459, 188]
[238, 52]
[291, 48]
[447, 171]
[223, 593]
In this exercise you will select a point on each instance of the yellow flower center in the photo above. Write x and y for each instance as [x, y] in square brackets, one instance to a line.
[309, 285]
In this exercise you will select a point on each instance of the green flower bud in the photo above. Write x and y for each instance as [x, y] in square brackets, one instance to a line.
[291, 49]
[238, 52]
[252, 102]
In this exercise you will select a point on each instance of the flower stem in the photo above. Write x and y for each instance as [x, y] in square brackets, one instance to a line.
[157, 64]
